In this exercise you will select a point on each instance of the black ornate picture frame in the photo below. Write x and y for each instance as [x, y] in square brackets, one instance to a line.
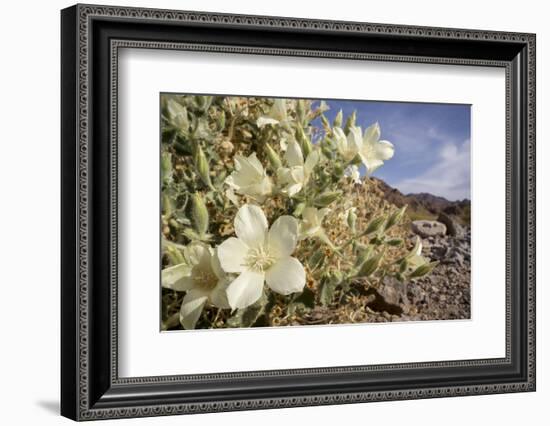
[91, 37]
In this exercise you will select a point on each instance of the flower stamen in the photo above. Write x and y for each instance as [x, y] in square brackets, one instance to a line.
[259, 259]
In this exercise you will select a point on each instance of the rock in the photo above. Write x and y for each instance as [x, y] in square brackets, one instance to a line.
[453, 228]
[428, 228]
[393, 291]
[438, 252]
[390, 297]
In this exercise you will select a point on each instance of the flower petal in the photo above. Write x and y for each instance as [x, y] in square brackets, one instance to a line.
[248, 171]
[218, 296]
[372, 134]
[264, 121]
[298, 175]
[278, 110]
[177, 277]
[292, 189]
[195, 253]
[251, 225]
[286, 276]
[191, 308]
[216, 266]
[232, 254]
[253, 162]
[245, 289]
[310, 214]
[293, 154]
[283, 236]
[371, 163]
[354, 140]
[311, 161]
[384, 150]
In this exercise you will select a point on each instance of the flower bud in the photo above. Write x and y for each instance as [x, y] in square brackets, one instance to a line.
[166, 167]
[203, 170]
[423, 270]
[336, 277]
[300, 110]
[326, 198]
[199, 214]
[374, 225]
[351, 219]
[338, 119]
[370, 265]
[363, 254]
[299, 209]
[273, 157]
[394, 242]
[327, 152]
[395, 217]
[325, 122]
[167, 206]
[221, 121]
[305, 143]
[350, 122]
[339, 170]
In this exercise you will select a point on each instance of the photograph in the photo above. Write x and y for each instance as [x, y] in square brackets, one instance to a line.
[302, 212]
[266, 209]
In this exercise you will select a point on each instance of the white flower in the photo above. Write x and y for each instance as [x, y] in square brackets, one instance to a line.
[348, 146]
[374, 152]
[276, 115]
[202, 278]
[260, 255]
[250, 178]
[353, 172]
[295, 177]
[311, 224]
[415, 258]
[230, 194]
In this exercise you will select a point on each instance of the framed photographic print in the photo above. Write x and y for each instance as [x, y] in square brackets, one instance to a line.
[263, 212]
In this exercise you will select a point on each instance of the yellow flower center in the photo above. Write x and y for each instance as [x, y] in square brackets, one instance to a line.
[205, 279]
[259, 259]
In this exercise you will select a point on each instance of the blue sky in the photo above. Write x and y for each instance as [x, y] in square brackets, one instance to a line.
[432, 144]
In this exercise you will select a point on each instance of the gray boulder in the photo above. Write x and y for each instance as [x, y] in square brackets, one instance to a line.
[429, 228]
[453, 228]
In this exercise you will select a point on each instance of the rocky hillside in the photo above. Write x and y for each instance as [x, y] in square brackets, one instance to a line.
[444, 294]
[426, 206]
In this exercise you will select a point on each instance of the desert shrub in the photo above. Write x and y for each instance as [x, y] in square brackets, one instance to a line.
[265, 215]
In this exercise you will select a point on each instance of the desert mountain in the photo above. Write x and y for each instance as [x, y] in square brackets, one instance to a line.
[423, 205]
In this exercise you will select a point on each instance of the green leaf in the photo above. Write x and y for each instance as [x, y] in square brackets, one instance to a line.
[363, 254]
[303, 301]
[248, 316]
[329, 284]
[316, 260]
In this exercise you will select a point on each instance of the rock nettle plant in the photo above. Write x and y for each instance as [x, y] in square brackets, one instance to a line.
[265, 217]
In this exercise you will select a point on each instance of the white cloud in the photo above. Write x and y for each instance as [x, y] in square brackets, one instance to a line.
[449, 177]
